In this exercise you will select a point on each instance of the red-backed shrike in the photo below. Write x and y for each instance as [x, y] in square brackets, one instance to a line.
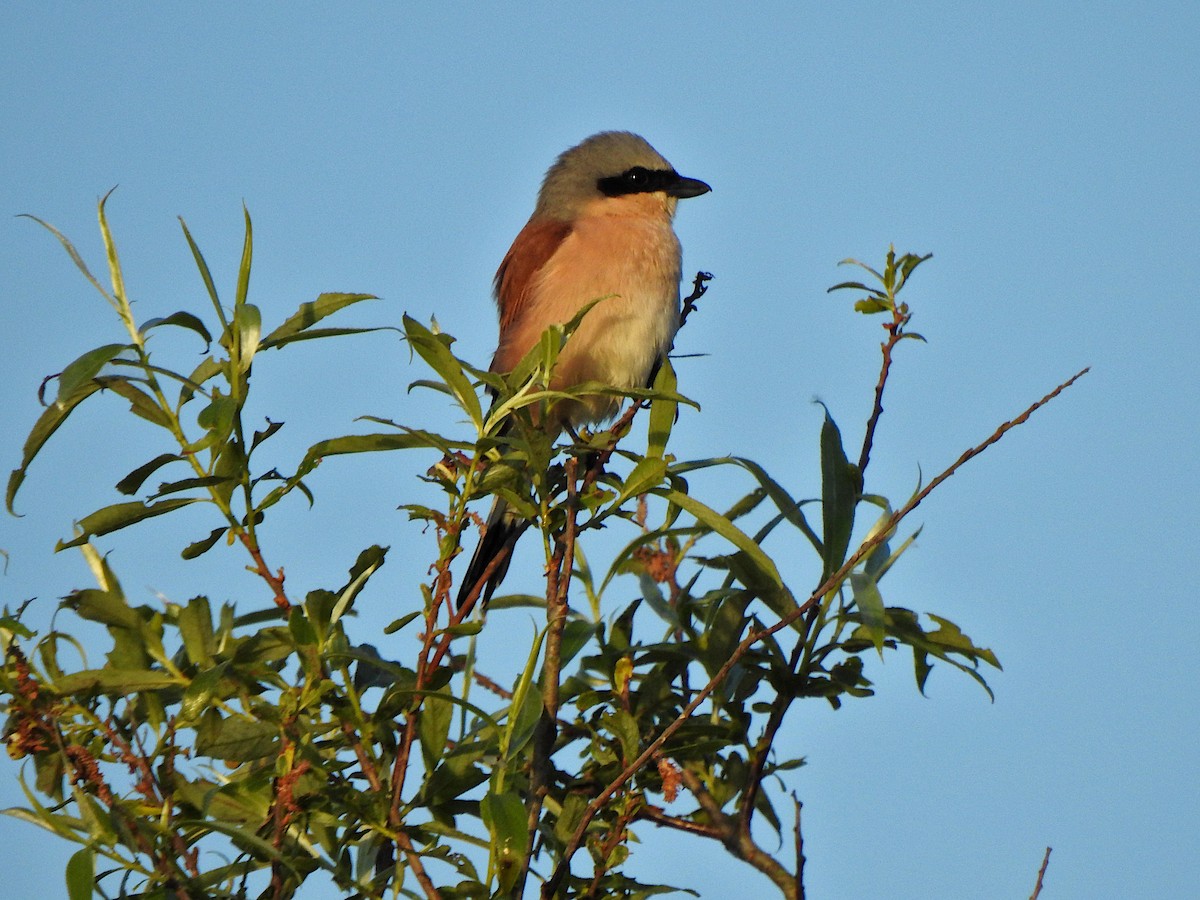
[601, 229]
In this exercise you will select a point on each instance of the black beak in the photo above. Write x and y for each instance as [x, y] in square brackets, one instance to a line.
[688, 187]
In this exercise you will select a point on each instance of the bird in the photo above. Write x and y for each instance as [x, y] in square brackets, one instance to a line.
[601, 229]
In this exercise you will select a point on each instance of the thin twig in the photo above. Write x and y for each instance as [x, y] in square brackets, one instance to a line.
[799, 851]
[260, 568]
[762, 749]
[418, 868]
[1037, 888]
[546, 731]
[593, 808]
[699, 289]
[658, 816]
[895, 329]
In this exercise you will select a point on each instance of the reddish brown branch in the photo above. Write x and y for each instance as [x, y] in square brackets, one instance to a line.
[418, 867]
[260, 568]
[799, 843]
[895, 330]
[1037, 888]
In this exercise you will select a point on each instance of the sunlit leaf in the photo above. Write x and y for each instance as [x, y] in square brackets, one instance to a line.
[870, 607]
[85, 368]
[48, 423]
[840, 487]
[507, 823]
[435, 350]
[309, 314]
[181, 319]
[239, 739]
[768, 580]
[121, 681]
[81, 874]
[247, 325]
[121, 515]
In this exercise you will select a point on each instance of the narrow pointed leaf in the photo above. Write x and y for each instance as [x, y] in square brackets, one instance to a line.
[663, 411]
[141, 404]
[72, 252]
[183, 320]
[207, 370]
[243, 282]
[870, 607]
[435, 351]
[121, 515]
[205, 274]
[85, 368]
[132, 482]
[48, 423]
[247, 325]
[768, 582]
[840, 487]
[309, 314]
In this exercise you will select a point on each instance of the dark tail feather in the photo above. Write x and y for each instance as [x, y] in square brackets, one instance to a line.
[495, 547]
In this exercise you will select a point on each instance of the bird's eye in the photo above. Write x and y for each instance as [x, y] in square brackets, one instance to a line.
[637, 180]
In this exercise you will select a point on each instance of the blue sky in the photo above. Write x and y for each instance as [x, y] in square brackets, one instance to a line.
[1045, 153]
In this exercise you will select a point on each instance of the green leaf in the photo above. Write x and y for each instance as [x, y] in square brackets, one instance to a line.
[81, 874]
[187, 484]
[199, 694]
[524, 711]
[433, 727]
[247, 325]
[784, 502]
[371, 443]
[399, 623]
[624, 728]
[130, 484]
[73, 253]
[309, 314]
[196, 630]
[85, 368]
[364, 567]
[768, 582]
[183, 320]
[239, 740]
[870, 607]
[663, 411]
[120, 681]
[435, 350]
[140, 403]
[216, 419]
[260, 436]
[648, 473]
[121, 515]
[243, 282]
[870, 306]
[48, 423]
[204, 274]
[120, 299]
[840, 487]
[507, 824]
[202, 546]
[209, 368]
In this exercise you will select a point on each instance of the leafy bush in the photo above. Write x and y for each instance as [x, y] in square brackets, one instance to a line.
[225, 751]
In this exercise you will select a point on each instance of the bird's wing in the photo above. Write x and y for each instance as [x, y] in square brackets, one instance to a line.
[533, 247]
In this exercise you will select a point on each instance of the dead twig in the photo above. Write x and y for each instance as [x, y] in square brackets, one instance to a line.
[1037, 888]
